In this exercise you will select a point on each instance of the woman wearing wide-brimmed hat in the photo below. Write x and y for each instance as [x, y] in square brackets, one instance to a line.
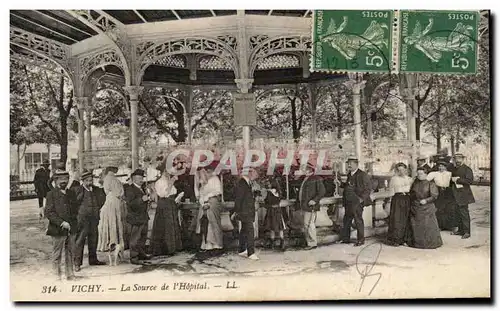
[166, 238]
[110, 224]
[208, 190]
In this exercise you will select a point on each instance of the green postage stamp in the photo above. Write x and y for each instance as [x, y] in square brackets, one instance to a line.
[438, 41]
[395, 41]
[355, 41]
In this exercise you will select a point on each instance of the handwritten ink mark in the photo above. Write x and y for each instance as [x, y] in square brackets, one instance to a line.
[366, 271]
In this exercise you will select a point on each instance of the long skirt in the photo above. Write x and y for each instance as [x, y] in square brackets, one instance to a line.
[166, 232]
[399, 219]
[446, 209]
[274, 219]
[425, 231]
[110, 225]
[209, 225]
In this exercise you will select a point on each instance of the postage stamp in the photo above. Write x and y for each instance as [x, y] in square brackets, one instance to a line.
[438, 41]
[352, 40]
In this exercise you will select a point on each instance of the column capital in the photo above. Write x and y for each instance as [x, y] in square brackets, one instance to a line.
[244, 85]
[82, 102]
[133, 91]
[355, 82]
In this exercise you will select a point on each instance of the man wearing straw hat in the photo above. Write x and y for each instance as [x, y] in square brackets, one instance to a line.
[311, 192]
[62, 211]
[462, 178]
[89, 199]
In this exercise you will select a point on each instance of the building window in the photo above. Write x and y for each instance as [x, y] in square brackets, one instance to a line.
[33, 161]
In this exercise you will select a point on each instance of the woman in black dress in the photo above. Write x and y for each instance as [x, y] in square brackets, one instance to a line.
[425, 231]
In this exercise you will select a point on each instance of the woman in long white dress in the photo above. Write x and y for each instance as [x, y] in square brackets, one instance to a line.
[399, 217]
[110, 224]
[445, 203]
[208, 190]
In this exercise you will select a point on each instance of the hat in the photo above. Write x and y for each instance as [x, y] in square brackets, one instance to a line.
[86, 174]
[138, 172]
[421, 158]
[442, 162]
[113, 169]
[401, 164]
[60, 173]
[46, 163]
[423, 168]
[459, 155]
[354, 159]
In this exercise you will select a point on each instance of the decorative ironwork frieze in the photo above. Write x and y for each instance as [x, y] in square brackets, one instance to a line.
[90, 63]
[49, 48]
[185, 46]
[210, 62]
[36, 60]
[278, 61]
[256, 40]
[278, 45]
[176, 61]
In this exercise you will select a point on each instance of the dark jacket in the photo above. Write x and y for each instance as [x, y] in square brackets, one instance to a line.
[61, 207]
[361, 185]
[137, 208]
[312, 189]
[244, 201]
[89, 202]
[41, 181]
[74, 185]
[463, 196]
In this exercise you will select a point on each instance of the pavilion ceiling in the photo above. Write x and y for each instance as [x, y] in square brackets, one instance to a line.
[67, 29]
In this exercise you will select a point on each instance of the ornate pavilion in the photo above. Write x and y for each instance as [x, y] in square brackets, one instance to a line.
[184, 49]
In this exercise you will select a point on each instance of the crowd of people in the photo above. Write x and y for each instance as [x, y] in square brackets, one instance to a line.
[115, 217]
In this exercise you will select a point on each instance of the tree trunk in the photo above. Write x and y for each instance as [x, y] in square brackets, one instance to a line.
[418, 124]
[295, 127]
[438, 140]
[18, 162]
[452, 145]
[339, 122]
[457, 141]
[64, 142]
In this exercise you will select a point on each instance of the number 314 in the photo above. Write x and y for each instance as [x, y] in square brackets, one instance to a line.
[374, 60]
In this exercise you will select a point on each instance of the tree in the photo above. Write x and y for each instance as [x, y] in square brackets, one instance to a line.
[48, 98]
[284, 110]
[335, 110]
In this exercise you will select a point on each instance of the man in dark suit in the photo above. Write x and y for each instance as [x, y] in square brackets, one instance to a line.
[61, 211]
[462, 177]
[357, 190]
[244, 211]
[89, 199]
[137, 216]
[311, 192]
[41, 182]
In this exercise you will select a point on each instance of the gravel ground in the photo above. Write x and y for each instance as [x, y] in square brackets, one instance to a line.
[461, 268]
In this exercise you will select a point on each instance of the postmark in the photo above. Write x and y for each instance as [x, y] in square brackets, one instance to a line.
[438, 42]
[352, 41]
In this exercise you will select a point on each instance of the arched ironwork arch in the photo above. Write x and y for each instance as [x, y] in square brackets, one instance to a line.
[277, 45]
[148, 53]
[93, 62]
